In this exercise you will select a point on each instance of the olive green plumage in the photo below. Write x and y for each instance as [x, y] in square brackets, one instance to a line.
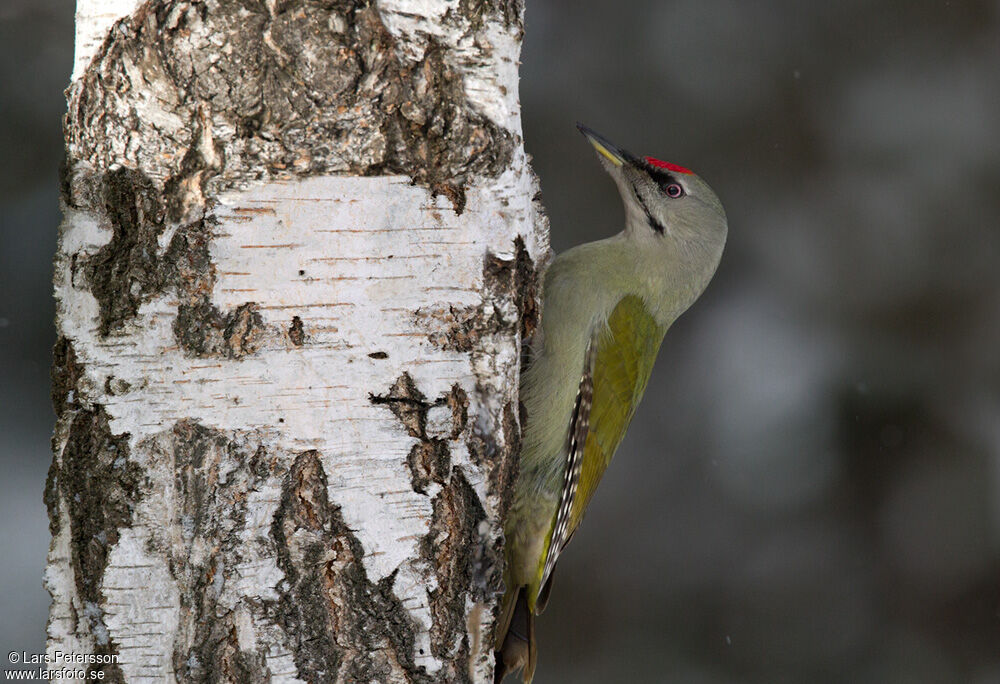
[625, 354]
[606, 308]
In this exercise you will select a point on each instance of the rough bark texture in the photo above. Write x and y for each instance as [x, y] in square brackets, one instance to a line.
[299, 254]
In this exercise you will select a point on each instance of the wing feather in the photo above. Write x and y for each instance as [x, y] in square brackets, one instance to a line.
[616, 368]
[623, 363]
[578, 429]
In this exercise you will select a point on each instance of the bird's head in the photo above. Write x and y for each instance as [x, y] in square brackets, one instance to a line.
[663, 201]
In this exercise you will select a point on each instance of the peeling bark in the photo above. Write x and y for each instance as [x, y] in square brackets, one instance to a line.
[299, 255]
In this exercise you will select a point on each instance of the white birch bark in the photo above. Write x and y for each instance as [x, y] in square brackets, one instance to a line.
[296, 263]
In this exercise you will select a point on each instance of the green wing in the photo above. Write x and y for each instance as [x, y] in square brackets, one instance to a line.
[619, 361]
[626, 351]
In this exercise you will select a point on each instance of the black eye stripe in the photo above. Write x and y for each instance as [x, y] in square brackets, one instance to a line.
[653, 223]
[661, 177]
[665, 179]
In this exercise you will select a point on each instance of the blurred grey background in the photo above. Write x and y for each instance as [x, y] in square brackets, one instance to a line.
[811, 490]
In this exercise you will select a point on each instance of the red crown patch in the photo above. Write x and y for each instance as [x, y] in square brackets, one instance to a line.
[667, 165]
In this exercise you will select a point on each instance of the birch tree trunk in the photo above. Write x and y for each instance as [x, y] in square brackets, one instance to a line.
[297, 260]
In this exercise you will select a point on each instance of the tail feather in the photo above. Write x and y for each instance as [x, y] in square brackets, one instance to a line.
[543, 594]
[515, 643]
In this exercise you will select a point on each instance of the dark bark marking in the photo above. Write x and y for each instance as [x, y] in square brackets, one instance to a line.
[503, 473]
[116, 386]
[202, 330]
[479, 11]
[517, 279]
[125, 271]
[296, 332]
[406, 403]
[452, 547]
[462, 329]
[213, 474]
[379, 355]
[345, 627]
[224, 660]
[65, 375]
[243, 328]
[101, 487]
[429, 459]
[458, 400]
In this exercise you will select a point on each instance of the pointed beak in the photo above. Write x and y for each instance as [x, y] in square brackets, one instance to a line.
[605, 147]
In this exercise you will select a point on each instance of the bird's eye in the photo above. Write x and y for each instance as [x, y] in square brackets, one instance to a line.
[673, 190]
